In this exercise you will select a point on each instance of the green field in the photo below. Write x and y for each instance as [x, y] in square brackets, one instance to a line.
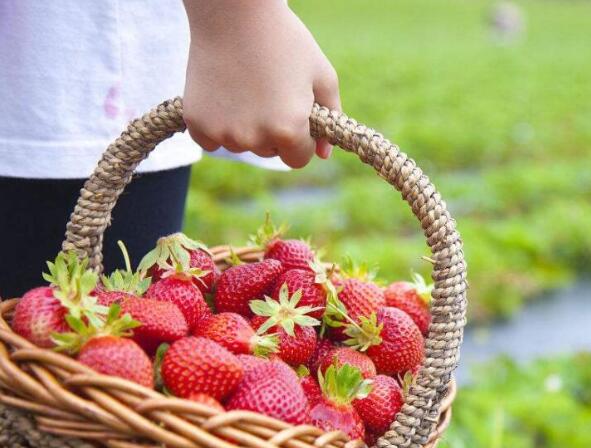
[503, 130]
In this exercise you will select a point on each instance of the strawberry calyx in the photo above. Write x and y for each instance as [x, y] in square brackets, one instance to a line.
[126, 280]
[73, 283]
[343, 384]
[364, 334]
[362, 271]
[233, 259]
[423, 289]
[172, 255]
[302, 371]
[265, 345]
[407, 381]
[158, 358]
[113, 324]
[285, 312]
[268, 233]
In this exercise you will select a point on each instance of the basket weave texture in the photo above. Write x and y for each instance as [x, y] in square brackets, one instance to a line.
[74, 406]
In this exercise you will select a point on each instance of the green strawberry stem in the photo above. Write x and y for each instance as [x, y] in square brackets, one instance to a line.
[284, 312]
[302, 371]
[343, 384]
[73, 282]
[423, 289]
[126, 280]
[268, 232]
[362, 271]
[172, 255]
[82, 332]
[265, 345]
[158, 358]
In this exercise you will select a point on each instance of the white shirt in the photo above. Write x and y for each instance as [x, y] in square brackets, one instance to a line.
[74, 72]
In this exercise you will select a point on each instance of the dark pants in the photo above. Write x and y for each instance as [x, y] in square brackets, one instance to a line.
[34, 212]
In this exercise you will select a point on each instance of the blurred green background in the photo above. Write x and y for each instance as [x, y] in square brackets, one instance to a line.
[493, 101]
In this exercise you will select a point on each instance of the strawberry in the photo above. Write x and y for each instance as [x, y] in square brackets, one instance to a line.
[206, 400]
[160, 322]
[293, 254]
[180, 290]
[101, 344]
[357, 296]
[121, 284]
[371, 438]
[37, 315]
[390, 338]
[412, 298]
[322, 348]
[294, 350]
[292, 324]
[240, 284]
[249, 362]
[178, 253]
[197, 365]
[379, 408]
[233, 332]
[272, 389]
[335, 412]
[117, 356]
[310, 385]
[346, 355]
[42, 311]
[314, 284]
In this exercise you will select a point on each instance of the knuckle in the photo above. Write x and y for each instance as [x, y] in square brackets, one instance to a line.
[284, 134]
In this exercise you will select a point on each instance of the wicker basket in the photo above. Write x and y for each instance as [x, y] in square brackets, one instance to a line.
[50, 400]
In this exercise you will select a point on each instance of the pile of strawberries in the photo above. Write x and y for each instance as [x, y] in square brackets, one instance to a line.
[286, 336]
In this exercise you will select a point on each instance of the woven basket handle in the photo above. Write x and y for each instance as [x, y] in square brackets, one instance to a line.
[419, 415]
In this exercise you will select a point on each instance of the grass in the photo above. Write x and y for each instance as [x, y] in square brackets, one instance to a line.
[546, 404]
[503, 130]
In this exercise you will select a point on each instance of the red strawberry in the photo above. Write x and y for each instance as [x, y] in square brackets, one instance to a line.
[379, 408]
[108, 298]
[206, 400]
[181, 291]
[292, 325]
[357, 296]
[345, 355]
[160, 322]
[233, 332]
[198, 365]
[314, 285]
[37, 315]
[293, 254]
[272, 389]
[249, 362]
[117, 356]
[391, 339]
[310, 385]
[42, 311]
[294, 350]
[178, 253]
[412, 298]
[100, 344]
[371, 438]
[322, 348]
[340, 386]
[240, 284]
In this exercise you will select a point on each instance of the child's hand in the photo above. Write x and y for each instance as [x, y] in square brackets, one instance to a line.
[254, 72]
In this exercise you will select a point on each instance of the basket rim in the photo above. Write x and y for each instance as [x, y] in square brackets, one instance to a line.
[61, 422]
